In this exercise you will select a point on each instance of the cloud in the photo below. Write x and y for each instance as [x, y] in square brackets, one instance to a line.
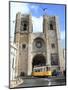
[15, 8]
[37, 24]
[34, 8]
[18, 7]
[25, 8]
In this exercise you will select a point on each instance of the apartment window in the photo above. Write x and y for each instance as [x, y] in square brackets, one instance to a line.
[53, 45]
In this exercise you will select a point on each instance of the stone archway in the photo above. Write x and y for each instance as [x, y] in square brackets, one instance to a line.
[38, 60]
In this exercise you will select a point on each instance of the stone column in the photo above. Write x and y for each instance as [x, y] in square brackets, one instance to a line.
[48, 51]
[29, 56]
[45, 29]
[58, 43]
[17, 60]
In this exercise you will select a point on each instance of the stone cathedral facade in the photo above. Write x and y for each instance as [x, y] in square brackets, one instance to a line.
[37, 49]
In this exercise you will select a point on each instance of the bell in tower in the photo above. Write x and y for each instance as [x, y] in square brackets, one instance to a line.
[24, 23]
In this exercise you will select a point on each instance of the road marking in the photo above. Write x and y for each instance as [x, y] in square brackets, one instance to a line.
[49, 83]
[48, 79]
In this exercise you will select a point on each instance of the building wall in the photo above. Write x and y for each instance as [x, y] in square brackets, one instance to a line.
[13, 50]
[22, 40]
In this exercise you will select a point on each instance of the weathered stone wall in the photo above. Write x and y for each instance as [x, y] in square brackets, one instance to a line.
[26, 55]
[22, 38]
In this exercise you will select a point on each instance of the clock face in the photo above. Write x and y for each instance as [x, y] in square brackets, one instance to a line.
[38, 44]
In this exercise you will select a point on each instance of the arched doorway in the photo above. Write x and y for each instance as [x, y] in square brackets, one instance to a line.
[38, 60]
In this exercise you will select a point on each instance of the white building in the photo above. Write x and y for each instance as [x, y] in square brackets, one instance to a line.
[13, 50]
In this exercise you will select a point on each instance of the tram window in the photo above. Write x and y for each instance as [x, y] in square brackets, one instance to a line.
[41, 70]
[35, 70]
[48, 68]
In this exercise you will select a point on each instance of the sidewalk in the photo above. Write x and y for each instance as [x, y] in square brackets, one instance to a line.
[15, 83]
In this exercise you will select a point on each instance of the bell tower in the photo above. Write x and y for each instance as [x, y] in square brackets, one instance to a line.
[23, 27]
[51, 31]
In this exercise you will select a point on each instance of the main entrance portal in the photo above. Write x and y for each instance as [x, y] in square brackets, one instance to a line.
[38, 60]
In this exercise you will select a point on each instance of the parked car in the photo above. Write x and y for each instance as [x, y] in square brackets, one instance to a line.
[56, 73]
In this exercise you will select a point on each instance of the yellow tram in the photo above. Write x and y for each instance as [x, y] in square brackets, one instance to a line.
[41, 71]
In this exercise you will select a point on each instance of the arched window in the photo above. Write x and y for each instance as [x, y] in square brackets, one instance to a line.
[23, 46]
[24, 25]
[51, 26]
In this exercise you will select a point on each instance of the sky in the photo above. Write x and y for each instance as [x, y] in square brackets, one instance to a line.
[37, 12]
